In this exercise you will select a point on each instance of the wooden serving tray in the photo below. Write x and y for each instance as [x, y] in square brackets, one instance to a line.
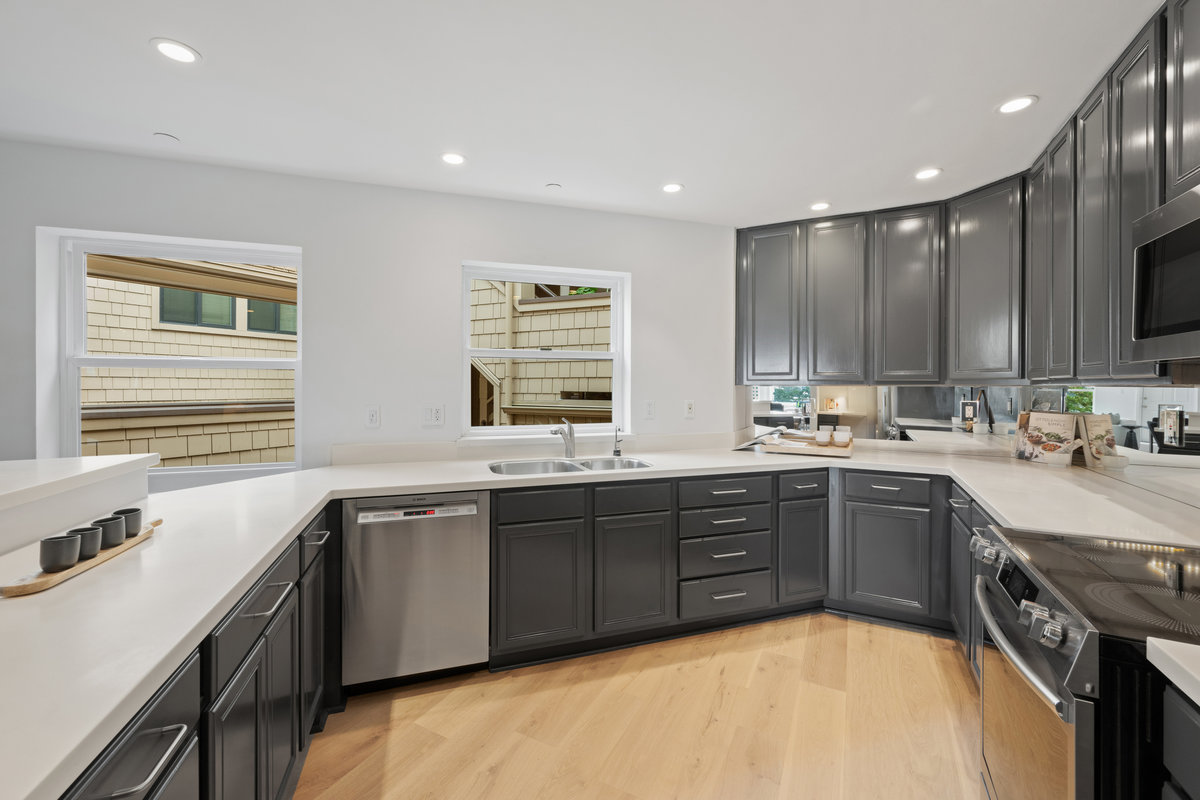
[806, 447]
[41, 581]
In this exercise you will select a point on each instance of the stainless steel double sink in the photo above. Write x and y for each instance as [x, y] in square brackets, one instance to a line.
[545, 466]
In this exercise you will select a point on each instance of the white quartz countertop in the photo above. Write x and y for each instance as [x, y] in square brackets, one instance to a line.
[1179, 661]
[86, 655]
[25, 481]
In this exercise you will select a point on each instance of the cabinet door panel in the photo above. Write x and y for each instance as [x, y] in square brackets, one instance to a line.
[837, 300]
[541, 583]
[238, 750]
[983, 280]
[1183, 96]
[281, 711]
[888, 556]
[803, 550]
[907, 291]
[1060, 192]
[635, 571]
[960, 580]
[1137, 180]
[1037, 272]
[770, 313]
[1092, 239]
[312, 659]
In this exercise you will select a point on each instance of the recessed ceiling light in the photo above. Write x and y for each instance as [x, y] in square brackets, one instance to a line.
[1018, 104]
[553, 185]
[168, 137]
[672, 188]
[819, 206]
[453, 158]
[176, 51]
[929, 172]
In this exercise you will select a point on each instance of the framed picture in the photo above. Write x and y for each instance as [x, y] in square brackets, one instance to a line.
[1171, 422]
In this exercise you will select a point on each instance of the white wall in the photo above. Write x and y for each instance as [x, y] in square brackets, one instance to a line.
[380, 284]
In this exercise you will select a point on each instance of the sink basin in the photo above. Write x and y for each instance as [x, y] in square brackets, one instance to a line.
[614, 462]
[542, 466]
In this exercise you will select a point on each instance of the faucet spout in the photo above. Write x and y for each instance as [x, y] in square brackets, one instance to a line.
[568, 436]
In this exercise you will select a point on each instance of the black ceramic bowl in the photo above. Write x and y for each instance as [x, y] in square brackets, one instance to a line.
[112, 531]
[89, 541]
[59, 552]
[133, 520]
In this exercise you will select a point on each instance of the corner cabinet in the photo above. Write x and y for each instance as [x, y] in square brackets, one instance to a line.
[770, 306]
[906, 272]
[837, 290]
[983, 283]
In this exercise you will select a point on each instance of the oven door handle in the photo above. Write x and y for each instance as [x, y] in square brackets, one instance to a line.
[1059, 705]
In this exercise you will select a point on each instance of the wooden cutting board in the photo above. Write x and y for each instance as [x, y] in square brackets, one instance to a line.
[41, 581]
[809, 448]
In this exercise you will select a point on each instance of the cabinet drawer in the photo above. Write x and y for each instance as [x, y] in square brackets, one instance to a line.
[801, 485]
[724, 491]
[236, 634]
[312, 540]
[144, 751]
[717, 555]
[633, 499]
[727, 594]
[536, 505]
[888, 488]
[1181, 740]
[960, 504]
[735, 519]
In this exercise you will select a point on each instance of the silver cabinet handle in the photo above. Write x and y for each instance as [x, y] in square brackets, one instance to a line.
[727, 595]
[286, 590]
[885, 488]
[727, 521]
[731, 554]
[321, 543]
[181, 732]
[726, 491]
[803, 486]
[982, 532]
[959, 503]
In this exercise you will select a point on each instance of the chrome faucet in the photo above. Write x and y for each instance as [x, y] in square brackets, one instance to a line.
[568, 435]
[617, 442]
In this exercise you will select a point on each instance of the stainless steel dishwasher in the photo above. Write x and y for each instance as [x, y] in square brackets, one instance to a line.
[415, 591]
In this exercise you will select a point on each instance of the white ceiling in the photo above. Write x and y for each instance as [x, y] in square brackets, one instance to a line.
[759, 108]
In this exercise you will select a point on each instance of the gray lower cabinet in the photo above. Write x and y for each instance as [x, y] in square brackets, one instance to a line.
[1137, 180]
[1060, 196]
[803, 550]
[836, 301]
[979, 525]
[906, 274]
[281, 712]
[635, 571]
[183, 780]
[1183, 96]
[1037, 272]
[770, 305]
[313, 619]
[541, 595]
[983, 284]
[1092, 236]
[888, 550]
[961, 573]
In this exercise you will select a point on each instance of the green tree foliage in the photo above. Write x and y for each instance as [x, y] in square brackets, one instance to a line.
[791, 394]
[1079, 400]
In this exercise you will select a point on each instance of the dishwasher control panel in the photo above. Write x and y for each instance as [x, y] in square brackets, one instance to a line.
[417, 512]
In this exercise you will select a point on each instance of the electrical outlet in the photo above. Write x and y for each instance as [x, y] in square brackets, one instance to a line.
[433, 416]
[372, 420]
[649, 409]
[689, 409]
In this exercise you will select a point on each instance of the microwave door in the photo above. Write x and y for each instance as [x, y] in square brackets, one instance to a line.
[1166, 282]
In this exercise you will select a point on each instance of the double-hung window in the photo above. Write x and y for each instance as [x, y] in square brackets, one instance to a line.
[543, 344]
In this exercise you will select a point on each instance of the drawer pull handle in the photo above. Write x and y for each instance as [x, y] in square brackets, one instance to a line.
[728, 595]
[321, 542]
[802, 486]
[960, 503]
[726, 491]
[885, 488]
[287, 588]
[180, 733]
[730, 554]
[727, 521]
[980, 532]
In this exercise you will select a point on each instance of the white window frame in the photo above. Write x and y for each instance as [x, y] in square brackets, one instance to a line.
[618, 284]
[73, 248]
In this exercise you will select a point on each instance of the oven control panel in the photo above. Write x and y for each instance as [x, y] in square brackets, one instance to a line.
[1017, 584]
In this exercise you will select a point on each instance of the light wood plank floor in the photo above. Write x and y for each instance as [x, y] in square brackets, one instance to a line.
[808, 707]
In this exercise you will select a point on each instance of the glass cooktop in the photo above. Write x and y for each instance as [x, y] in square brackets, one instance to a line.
[1122, 588]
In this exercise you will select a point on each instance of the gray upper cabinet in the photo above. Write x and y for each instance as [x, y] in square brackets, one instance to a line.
[1137, 178]
[1183, 96]
[1092, 240]
[1037, 272]
[770, 305]
[983, 284]
[837, 272]
[1060, 194]
[907, 290]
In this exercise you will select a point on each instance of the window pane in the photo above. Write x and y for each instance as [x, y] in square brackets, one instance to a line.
[190, 417]
[518, 316]
[260, 315]
[216, 309]
[178, 305]
[287, 318]
[528, 392]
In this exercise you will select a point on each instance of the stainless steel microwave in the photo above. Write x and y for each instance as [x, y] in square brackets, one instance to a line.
[1164, 304]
